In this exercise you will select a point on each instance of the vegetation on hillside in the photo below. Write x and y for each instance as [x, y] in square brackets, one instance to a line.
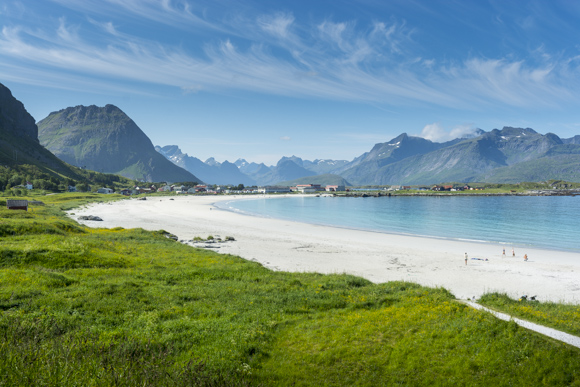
[81, 306]
[13, 178]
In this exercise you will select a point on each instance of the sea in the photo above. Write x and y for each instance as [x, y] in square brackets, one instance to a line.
[547, 222]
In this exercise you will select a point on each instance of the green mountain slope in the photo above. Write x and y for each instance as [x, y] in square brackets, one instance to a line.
[105, 139]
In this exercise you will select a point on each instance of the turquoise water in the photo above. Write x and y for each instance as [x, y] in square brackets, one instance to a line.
[545, 222]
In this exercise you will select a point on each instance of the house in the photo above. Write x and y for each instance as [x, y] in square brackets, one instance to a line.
[72, 188]
[126, 192]
[178, 188]
[17, 204]
[273, 189]
[335, 188]
[28, 185]
[105, 190]
[165, 188]
[306, 188]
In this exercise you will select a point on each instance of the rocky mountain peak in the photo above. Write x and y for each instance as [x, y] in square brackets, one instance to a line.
[14, 118]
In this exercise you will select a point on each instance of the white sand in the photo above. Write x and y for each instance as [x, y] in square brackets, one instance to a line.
[379, 257]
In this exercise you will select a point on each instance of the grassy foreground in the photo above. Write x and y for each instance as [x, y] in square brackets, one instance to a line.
[95, 307]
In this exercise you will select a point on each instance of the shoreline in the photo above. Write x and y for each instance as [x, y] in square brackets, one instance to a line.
[379, 257]
[518, 245]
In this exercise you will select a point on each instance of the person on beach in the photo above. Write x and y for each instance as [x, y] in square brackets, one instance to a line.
[465, 259]
[513, 252]
[525, 257]
[503, 253]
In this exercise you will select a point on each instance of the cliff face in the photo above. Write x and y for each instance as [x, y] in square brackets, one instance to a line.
[19, 143]
[14, 118]
[105, 139]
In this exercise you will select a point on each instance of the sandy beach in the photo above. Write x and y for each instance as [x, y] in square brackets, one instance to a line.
[379, 257]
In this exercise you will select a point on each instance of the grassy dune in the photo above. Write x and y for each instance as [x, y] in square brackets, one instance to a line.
[81, 307]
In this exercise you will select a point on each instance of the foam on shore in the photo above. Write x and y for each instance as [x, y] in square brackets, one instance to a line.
[379, 257]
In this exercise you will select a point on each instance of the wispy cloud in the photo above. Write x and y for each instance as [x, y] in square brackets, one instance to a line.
[172, 13]
[280, 55]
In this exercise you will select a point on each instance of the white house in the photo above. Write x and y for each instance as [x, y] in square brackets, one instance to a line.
[273, 189]
[308, 188]
[105, 190]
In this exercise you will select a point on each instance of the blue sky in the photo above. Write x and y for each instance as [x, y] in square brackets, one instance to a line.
[317, 79]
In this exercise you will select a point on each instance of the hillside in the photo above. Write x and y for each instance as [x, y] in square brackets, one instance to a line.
[285, 170]
[105, 139]
[325, 179]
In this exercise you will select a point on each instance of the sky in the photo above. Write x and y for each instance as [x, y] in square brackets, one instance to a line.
[324, 79]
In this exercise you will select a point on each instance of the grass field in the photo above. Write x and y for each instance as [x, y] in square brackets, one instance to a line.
[96, 307]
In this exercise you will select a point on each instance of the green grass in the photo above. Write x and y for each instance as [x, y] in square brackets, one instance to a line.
[82, 306]
[564, 317]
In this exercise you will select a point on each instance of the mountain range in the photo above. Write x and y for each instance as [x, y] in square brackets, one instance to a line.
[508, 155]
[242, 172]
[105, 139]
[209, 171]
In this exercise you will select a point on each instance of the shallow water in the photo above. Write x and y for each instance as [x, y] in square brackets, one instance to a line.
[550, 222]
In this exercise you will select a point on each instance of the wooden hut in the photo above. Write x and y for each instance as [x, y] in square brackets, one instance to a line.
[17, 204]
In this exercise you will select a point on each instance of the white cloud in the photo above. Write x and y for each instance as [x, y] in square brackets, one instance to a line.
[285, 138]
[462, 131]
[436, 133]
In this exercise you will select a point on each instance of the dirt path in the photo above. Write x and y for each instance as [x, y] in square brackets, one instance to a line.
[553, 333]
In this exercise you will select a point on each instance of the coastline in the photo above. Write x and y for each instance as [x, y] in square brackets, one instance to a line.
[380, 257]
[519, 245]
